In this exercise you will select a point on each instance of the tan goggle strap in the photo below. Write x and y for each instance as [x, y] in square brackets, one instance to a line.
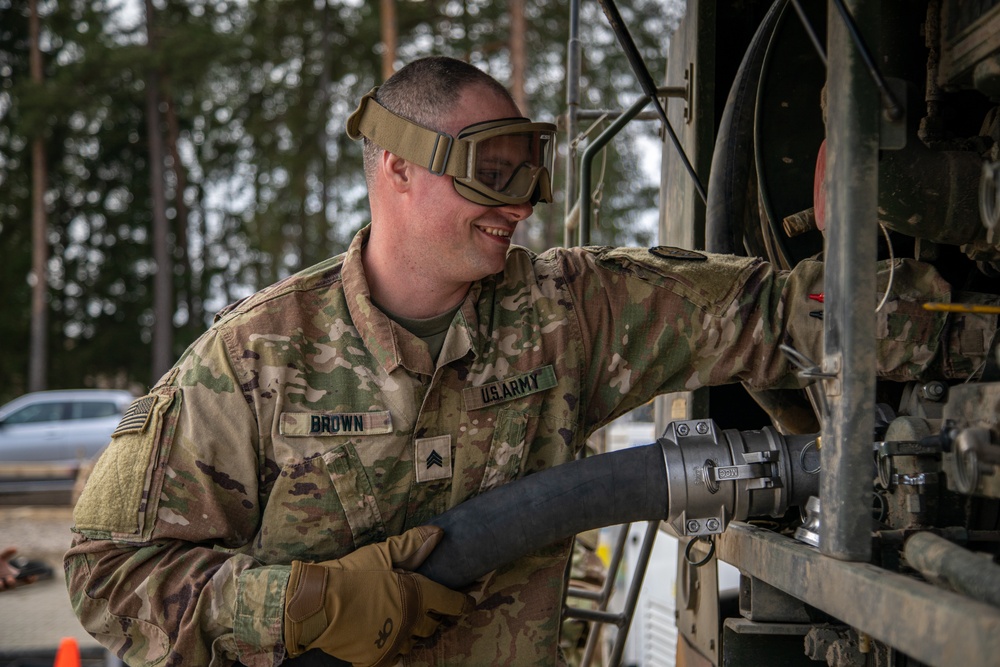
[438, 152]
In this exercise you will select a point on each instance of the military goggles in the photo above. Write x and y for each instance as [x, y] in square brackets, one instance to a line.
[507, 161]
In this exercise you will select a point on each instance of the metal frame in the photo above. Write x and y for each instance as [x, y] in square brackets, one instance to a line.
[946, 628]
[899, 610]
[621, 619]
[849, 284]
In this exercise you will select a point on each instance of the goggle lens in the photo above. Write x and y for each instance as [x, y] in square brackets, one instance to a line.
[511, 164]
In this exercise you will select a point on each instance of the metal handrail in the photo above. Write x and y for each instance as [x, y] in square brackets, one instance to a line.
[587, 159]
[622, 619]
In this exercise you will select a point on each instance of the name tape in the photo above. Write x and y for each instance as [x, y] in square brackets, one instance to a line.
[302, 424]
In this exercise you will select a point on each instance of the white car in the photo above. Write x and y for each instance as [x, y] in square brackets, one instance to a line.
[63, 427]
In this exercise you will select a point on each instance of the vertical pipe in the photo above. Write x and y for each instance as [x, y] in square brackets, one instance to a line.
[573, 67]
[849, 346]
[606, 590]
[587, 161]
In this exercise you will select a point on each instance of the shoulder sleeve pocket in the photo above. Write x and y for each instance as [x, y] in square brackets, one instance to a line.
[119, 500]
[710, 281]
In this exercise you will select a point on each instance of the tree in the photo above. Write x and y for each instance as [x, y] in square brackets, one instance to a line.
[163, 301]
[390, 35]
[39, 355]
[260, 178]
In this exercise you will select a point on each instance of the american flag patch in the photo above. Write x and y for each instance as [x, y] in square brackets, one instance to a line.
[136, 416]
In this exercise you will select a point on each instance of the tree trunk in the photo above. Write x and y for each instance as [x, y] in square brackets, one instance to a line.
[518, 55]
[39, 357]
[323, 225]
[389, 37]
[518, 59]
[192, 295]
[163, 278]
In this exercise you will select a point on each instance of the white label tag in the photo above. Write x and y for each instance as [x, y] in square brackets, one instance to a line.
[432, 458]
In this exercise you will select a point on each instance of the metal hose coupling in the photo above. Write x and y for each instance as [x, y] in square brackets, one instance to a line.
[715, 476]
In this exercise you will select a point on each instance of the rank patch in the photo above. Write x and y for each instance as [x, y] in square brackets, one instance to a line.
[432, 458]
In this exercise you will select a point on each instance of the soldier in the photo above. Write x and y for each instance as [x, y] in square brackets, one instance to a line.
[267, 497]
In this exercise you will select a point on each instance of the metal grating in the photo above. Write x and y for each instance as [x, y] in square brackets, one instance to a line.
[660, 637]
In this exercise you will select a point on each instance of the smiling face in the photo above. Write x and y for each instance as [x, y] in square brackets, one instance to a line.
[434, 234]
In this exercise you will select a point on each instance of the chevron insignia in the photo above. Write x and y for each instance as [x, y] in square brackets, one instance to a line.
[434, 459]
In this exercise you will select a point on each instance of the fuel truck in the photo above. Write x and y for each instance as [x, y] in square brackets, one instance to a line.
[863, 515]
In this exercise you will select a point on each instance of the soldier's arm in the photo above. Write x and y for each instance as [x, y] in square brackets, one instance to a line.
[155, 571]
[659, 324]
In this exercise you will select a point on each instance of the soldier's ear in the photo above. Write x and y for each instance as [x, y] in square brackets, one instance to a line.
[397, 171]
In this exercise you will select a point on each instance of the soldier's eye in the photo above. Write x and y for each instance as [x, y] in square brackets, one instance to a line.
[491, 177]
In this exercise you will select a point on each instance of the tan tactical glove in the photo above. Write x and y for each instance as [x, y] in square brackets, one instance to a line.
[368, 607]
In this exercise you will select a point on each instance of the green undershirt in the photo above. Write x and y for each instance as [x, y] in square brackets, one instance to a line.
[431, 330]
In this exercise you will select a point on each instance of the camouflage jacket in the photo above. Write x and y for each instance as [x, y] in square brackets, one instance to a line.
[305, 424]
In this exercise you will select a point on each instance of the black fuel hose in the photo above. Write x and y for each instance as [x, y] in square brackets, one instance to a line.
[513, 520]
[535, 511]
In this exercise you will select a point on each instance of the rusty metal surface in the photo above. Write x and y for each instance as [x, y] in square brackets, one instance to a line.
[937, 627]
[953, 566]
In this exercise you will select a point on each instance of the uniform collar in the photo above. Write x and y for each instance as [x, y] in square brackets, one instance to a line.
[389, 343]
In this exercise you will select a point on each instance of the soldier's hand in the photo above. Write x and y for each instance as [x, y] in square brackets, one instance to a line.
[368, 607]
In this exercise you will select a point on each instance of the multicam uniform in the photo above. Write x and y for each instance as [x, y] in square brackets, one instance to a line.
[305, 424]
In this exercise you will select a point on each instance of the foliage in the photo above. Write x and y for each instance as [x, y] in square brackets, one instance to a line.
[261, 179]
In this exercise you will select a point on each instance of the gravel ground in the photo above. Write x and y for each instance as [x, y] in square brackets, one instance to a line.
[38, 532]
[36, 617]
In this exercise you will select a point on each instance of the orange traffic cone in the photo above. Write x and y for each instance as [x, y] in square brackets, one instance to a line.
[68, 654]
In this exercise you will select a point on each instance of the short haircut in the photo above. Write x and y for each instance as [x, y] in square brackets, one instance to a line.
[425, 91]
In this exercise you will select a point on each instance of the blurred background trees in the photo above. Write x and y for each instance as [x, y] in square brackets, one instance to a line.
[206, 137]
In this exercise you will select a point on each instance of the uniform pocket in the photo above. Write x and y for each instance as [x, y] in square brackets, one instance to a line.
[320, 509]
[707, 280]
[506, 449]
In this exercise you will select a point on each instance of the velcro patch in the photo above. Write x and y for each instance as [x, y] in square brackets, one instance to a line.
[670, 252]
[432, 458]
[122, 492]
[136, 417]
[534, 381]
[303, 424]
